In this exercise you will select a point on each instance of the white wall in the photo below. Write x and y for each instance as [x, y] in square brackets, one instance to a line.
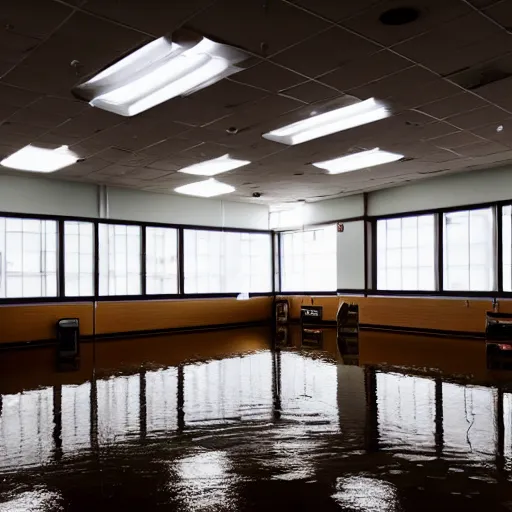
[28, 194]
[25, 194]
[128, 204]
[350, 256]
[300, 215]
[463, 188]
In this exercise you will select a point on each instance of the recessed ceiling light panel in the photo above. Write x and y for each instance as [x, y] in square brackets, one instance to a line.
[330, 122]
[215, 166]
[206, 188]
[159, 71]
[35, 159]
[357, 161]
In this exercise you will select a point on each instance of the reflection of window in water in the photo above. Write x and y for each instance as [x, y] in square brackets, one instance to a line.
[76, 418]
[162, 400]
[468, 420]
[26, 428]
[229, 390]
[406, 408]
[309, 390]
[507, 422]
[118, 408]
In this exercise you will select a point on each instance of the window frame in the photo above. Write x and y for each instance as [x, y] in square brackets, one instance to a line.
[61, 297]
[281, 252]
[435, 248]
[440, 291]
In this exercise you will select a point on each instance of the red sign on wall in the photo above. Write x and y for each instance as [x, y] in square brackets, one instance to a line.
[341, 227]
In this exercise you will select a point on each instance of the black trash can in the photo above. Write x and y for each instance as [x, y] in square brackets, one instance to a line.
[68, 334]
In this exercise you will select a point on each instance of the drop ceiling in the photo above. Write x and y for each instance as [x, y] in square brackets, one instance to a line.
[447, 77]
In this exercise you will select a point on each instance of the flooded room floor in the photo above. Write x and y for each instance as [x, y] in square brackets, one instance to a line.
[224, 421]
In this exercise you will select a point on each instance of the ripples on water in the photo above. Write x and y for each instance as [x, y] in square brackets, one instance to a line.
[222, 422]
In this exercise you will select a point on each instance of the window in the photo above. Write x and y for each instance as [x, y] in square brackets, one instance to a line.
[28, 258]
[220, 262]
[469, 250]
[406, 253]
[507, 248]
[119, 259]
[161, 260]
[79, 259]
[308, 260]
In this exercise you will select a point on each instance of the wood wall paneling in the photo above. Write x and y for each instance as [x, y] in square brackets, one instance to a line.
[117, 317]
[37, 321]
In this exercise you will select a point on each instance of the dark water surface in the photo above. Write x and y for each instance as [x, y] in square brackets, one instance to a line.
[221, 422]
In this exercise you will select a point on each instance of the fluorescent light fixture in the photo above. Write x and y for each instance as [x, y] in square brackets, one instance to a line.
[206, 188]
[330, 122]
[215, 166]
[159, 71]
[32, 158]
[360, 160]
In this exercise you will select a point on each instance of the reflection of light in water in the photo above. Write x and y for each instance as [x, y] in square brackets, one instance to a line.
[406, 407]
[26, 426]
[365, 494]
[204, 481]
[34, 501]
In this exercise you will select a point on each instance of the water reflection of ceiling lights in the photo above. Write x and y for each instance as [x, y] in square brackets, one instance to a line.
[204, 481]
[357, 493]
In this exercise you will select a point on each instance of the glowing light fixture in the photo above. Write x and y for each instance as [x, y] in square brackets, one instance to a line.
[206, 188]
[35, 159]
[330, 122]
[214, 166]
[159, 71]
[360, 160]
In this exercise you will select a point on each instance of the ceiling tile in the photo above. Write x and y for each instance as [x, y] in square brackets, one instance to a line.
[170, 146]
[49, 112]
[432, 13]
[408, 88]
[48, 68]
[497, 92]
[16, 96]
[368, 69]
[154, 16]
[325, 51]
[311, 92]
[453, 105]
[253, 114]
[478, 117]
[227, 95]
[256, 26]
[14, 48]
[45, 16]
[462, 43]
[481, 148]
[269, 77]
[334, 9]
[501, 12]
[90, 122]
[455, 140]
